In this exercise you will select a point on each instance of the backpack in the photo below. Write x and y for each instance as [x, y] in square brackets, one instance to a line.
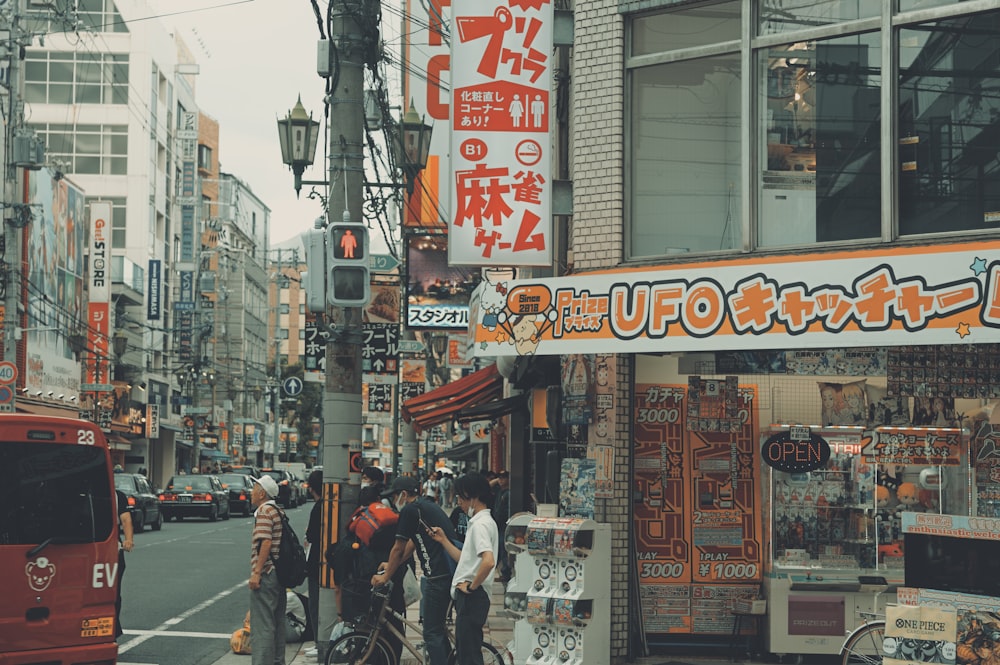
[367, 520]
[290, 566]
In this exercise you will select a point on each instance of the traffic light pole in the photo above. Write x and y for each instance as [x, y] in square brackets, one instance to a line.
[342, 393]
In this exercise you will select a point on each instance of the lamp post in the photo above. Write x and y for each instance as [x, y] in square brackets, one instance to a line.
[298, 134]
[416, 144]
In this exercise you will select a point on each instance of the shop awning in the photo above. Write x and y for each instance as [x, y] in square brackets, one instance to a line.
[462, 451]
[492, 410]
[117, 442]
[210, 453]
[443, 404]
[46, 410]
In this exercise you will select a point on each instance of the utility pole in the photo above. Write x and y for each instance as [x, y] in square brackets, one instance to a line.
[342, 394]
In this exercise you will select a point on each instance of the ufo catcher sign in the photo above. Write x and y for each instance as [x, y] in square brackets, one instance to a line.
[501, 207]
[870, 297]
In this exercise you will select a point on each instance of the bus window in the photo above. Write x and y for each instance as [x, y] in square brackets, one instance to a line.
[58, 493]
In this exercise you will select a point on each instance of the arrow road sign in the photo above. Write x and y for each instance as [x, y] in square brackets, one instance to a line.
[382, 262]
[411, 346]
[292, 386]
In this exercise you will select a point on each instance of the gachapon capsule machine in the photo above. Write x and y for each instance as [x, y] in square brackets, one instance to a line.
[560, 593]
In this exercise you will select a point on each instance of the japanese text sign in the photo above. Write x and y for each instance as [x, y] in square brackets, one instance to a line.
[501, 205]
[885, 296]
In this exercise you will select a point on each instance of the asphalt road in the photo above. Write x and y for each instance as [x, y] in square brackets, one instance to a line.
[185, 589]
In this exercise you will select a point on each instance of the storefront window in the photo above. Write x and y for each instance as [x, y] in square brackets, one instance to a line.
[778, 16]
[949, 125]
[694, 26]
[685, 157]
[820, 141]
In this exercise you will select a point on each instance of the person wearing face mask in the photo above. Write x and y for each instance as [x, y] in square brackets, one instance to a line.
[476, 562]
[417, 517]
[372, 485]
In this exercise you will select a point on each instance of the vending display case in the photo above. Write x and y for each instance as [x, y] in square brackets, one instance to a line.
[836, 546]
[560, 593]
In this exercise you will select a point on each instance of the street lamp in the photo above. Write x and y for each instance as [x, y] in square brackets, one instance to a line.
[298, 134]
[416, 140]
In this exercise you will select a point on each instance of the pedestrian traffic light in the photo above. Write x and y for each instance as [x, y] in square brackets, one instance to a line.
[314, 279]
[349, 283]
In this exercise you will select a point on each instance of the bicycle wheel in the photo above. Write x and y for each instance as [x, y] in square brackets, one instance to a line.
[864, 645]
[348, 649]
[491, 656]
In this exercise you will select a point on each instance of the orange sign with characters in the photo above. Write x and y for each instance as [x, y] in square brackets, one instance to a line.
[697, 522]
[894, 296]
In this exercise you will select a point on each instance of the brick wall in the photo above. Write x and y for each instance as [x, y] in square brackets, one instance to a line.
[598, 123]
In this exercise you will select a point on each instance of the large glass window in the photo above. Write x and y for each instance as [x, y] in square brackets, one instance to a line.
[685, 157]
[819, 136]
[82, 78]
[949, 125]
[91, 149]
[781, 16]
[684, 28]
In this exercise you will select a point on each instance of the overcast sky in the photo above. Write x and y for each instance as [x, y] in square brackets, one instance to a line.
[256, 58]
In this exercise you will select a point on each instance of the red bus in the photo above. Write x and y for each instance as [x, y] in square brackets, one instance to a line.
[58, 542]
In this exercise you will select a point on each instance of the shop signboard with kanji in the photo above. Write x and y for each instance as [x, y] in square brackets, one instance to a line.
[501, 188]
[380, 352]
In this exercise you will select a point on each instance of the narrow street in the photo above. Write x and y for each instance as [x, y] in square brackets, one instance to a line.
[185, 589]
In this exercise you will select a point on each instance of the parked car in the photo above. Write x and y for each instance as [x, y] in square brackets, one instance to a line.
[288, 495]
[143, 503]
[195, 495]
[239, 486]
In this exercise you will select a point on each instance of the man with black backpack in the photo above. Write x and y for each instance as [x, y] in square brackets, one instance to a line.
[267, 594]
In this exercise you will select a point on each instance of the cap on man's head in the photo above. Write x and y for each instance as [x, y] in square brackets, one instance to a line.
[268, 485]
[503, 474]
[402, 484]
[373, 473]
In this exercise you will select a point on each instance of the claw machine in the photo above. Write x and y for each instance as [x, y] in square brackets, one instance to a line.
[834, 497]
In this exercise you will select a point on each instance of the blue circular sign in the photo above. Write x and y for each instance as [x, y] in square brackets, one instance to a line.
[6, 394]
[292, 386]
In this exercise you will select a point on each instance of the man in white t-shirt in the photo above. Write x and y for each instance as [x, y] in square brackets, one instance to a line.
[476, 561]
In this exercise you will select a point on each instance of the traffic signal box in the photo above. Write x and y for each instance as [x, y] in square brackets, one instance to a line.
[349, 283]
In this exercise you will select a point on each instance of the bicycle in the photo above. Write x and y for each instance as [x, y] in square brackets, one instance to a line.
[369, 646]
[864, 645]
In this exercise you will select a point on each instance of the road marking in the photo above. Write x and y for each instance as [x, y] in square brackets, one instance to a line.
[145, 635]
[176, 633]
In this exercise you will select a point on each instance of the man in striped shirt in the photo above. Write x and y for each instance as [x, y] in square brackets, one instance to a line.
[267, 596]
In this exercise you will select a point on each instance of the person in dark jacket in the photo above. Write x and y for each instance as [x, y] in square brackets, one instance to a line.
[313, 535]
[372, 485]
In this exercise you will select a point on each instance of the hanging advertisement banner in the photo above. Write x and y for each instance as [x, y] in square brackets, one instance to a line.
[99, 305]
[501, 188]
[888, 296]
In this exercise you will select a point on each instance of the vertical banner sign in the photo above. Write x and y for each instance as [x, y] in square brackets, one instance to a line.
[99, 305]
[189, 199]
[185, 317]
[501, 189]
[152, 421]
[153, 290]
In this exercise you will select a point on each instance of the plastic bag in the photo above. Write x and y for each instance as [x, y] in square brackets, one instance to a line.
[239, 641]
[339, 630]
[295, 618]
[411, 588]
